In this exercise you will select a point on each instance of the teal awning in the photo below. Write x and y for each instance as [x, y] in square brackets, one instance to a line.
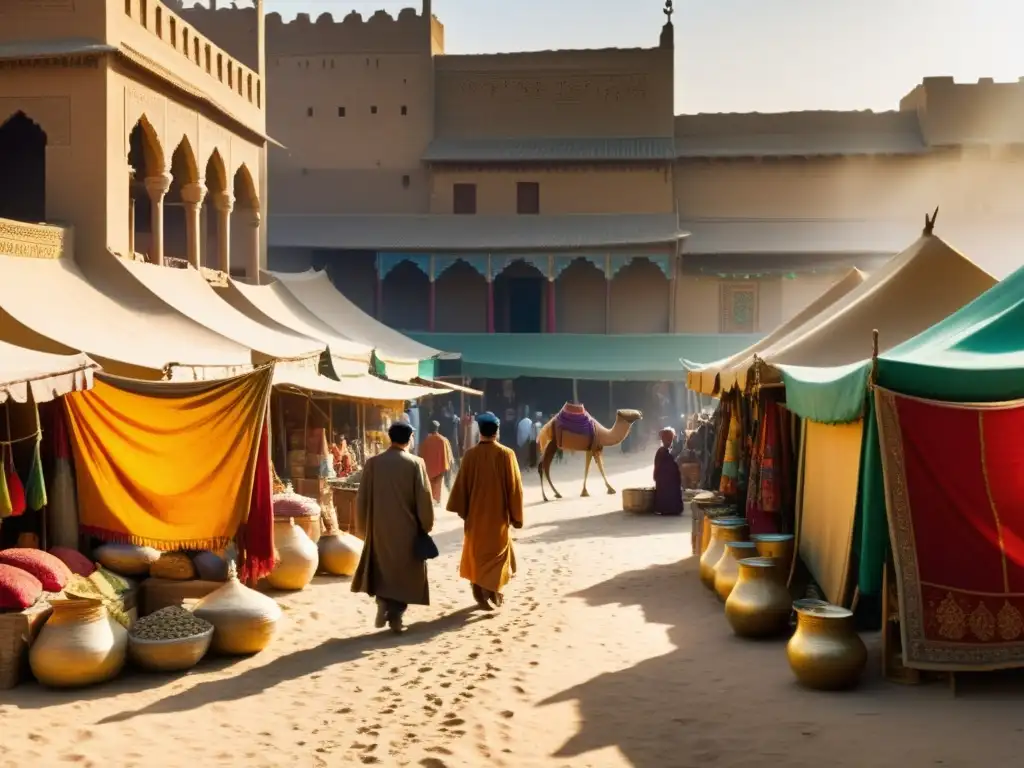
[597, 357]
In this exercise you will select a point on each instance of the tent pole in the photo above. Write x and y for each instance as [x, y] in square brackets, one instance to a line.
[576, 391]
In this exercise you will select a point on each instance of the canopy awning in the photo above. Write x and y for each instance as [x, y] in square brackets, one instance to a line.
[446, 386]
[189, 292]
[60, 306]
[316, 292]
[45, 376]
[274, 304]
[705, 379]
[597, 357]
[366, 387]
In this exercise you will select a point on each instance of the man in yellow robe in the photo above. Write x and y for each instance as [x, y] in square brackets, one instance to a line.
[436, 452]
[488, 496]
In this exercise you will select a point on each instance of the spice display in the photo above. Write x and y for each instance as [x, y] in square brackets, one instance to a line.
[176, 566]
[87, 589]
[170, 623]
[105, 579]
[74, 560]
[18, 589]
[127, 559]
[50, 571]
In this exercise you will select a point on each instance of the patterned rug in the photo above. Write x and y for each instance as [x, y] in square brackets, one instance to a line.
[954, 481]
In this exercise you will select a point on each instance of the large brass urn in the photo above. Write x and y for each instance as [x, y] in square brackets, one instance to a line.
[776, 545]
[825, 652]
[723, 530]
[759, 604]
[297, 557]
[727, 569]
[339, 553]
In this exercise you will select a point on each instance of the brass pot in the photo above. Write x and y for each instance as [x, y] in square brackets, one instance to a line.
[243, 619]
[727, 569]
[340, 553]
[175, 655]
[759, 604]
[79, 645]
[825, 652]
[297, 557]
[775, 545]
[722, 530]
[710, 514]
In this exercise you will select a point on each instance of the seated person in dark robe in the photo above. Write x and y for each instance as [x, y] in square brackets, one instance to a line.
[668, 490]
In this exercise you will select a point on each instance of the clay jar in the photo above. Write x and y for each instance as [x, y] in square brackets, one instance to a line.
[243, 619]
[339, 553]
[297, 555]
[727, 569]
[759, 604]
[825, 652]
[722, 530]
[79, 645]
[775, 545]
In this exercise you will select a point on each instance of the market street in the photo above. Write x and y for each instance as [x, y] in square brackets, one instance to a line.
[608, 653]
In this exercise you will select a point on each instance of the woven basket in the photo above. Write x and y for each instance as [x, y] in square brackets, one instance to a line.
[173, 565]
[638, 501]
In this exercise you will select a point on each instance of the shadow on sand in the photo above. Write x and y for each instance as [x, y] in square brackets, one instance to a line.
[255, 680]
[720, 700]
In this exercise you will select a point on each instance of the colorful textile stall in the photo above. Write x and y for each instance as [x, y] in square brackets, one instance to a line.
[954, 486]
[705, 378]
[165, 464]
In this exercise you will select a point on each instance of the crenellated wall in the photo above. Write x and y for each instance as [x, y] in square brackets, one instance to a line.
[952, 113]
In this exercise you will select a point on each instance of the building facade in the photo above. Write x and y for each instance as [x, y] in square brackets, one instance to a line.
[126, 122]
[557, 191]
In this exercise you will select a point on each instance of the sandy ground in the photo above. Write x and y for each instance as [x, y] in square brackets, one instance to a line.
[607, 654]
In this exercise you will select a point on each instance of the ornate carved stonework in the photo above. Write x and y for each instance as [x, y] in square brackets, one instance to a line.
[33, 241]
[75, 61]
[571, 89]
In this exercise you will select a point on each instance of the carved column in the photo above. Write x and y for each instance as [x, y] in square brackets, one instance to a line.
[192, 200]
[131, 212]
[223, 203]
[552, 316]
[204, 235]
[490, 296]
[432, 317]
[156, 188]
[608, 293]
[252, 247]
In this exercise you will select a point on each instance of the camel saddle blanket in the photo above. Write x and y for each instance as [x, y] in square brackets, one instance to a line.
[575, 420]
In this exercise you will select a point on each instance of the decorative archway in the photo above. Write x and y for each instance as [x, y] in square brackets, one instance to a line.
[216, 204]
[147, 181]
[582, 286]
[639, 297]
[22, 169]
[246, 220]
[181, 204]
[520, 295]
[405, 290]
[461, 291]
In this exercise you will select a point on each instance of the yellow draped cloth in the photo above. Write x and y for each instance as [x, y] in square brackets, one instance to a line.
[167, 465]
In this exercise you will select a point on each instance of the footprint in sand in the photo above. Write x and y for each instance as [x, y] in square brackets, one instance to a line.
[433, 762]
[453, 721]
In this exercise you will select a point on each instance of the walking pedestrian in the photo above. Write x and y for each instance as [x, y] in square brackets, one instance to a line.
[436, 452]
[488, 496]
[393, 506]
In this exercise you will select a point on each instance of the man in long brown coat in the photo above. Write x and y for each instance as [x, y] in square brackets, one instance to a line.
[393, 506]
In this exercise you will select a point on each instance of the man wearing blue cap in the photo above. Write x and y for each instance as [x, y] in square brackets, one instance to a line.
[488, 496]
[394, 507]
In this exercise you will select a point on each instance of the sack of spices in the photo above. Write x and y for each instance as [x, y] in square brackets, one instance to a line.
[50, 571]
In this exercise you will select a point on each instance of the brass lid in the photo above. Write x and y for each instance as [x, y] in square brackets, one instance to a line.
[729, 522]
[827, 611]
[759, 562]
[742, 545]
[772, 537]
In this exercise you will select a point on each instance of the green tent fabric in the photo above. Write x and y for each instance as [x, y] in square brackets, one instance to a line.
[974, 355]
[428, 369]
[597, 357]
[829, 395]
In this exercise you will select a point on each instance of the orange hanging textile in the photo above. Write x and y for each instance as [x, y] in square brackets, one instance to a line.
[168, 465]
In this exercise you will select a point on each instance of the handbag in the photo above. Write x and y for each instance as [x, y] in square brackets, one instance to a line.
[423, 546]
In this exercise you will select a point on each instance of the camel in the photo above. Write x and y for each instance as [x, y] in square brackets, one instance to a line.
[573, 429]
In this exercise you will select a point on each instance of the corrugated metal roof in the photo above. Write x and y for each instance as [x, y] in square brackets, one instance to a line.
[792, 236]
[797, 134]
[566, 149]
[449, 232]
[42, 49]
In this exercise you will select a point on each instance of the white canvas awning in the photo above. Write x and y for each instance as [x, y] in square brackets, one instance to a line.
[367, 388]
[400, 354]
[274, 303]
[45, 376]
